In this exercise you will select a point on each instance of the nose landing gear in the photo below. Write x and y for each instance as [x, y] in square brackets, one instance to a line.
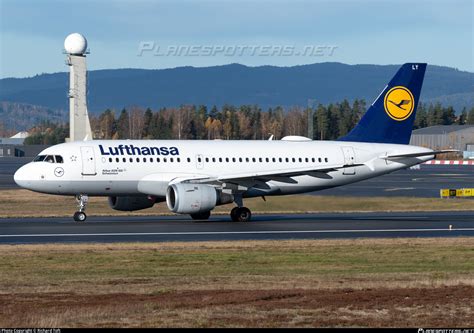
[80, 216]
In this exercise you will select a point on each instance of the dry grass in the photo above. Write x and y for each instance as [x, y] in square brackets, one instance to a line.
[365, 282]
[35, 204]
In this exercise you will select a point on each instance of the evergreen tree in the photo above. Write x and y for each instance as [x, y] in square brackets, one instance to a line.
[147, 117]
[462, 119]
[123, 125]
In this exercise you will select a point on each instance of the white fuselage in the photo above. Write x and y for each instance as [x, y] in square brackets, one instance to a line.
[112, 168]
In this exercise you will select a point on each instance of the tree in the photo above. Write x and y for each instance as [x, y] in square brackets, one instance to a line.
[462, 117]
[470, 117]
[123, 125]
[147, 118]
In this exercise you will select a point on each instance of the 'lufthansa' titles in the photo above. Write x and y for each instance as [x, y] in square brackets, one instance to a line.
[132, 150]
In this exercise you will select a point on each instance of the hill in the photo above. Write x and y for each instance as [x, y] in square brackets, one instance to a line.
[235, 84]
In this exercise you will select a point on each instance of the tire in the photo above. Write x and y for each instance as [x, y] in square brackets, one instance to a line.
[79, 216]
[201, 216]
[243, 214]
[233, 214]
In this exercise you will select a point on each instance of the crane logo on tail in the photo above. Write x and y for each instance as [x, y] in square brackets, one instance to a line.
[399, 103]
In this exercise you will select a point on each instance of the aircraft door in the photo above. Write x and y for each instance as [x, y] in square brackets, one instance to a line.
[88, 161]
[349, 159]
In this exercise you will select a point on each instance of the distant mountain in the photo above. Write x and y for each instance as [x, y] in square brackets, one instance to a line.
[234, 84]
[22, 116]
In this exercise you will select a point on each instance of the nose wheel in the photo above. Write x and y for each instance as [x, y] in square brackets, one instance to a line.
[240, 214]
[82, 200]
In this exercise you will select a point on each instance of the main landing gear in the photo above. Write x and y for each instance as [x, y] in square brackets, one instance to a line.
[240, 214]
[80, 216]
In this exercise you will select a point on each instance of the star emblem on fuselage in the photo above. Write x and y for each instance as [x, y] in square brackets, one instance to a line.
[73, 158]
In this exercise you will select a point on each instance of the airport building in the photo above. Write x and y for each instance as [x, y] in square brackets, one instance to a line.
[460, 137]
[14, 147]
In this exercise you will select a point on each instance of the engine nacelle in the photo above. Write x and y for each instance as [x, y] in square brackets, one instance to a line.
[185, 198]
[131, 203]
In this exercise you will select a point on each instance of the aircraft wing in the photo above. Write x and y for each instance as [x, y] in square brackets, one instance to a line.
[427, 153]
[245, 177]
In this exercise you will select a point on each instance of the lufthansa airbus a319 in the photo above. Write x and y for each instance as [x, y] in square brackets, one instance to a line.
[194, 177]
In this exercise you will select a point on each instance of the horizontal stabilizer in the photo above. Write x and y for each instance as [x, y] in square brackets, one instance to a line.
[426, 153]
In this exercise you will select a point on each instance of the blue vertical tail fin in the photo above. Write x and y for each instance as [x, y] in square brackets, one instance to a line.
[390, 117]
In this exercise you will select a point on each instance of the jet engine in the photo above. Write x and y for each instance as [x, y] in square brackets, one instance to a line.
[185, 198]
[131, 203]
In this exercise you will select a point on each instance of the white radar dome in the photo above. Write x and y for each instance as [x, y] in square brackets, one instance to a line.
[75, 44]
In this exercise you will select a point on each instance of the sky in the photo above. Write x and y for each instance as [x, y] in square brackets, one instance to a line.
[167, 34]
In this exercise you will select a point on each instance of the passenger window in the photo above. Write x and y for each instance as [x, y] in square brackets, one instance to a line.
[300, 159]
[138, 159]
[220, 159]
[306, 160]
[124, 160]
[267, 159]
[287, 160]
[178, 159]
[151, 159]
[240, 159]
[319, 159]
[233, 159]
[280, 160]
[199, 160]
[313, 160]
[117, 159]
[260, 159]
[293, 160]
[207, 159]
[253, 159]
[157, 160]
[227, 159]
[189, 160]
[110, 159]
[326, 159]
[131, 160]
[144, 159]
[273, 159]
[171, 160]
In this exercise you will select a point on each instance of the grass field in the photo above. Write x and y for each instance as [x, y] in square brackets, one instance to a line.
[35, 204]
[385, 282]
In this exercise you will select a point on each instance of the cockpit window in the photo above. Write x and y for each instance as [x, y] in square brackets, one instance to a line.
[49, 158]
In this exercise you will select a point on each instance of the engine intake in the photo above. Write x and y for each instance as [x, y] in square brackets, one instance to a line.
[131, 203]
[185, 198]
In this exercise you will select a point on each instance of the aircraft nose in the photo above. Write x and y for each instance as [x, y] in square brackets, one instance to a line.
[21, 177]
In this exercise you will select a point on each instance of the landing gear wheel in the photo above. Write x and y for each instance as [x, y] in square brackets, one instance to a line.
[201, 216]
[233, 214]
[82, 200]
[80, 216]
[241, 214]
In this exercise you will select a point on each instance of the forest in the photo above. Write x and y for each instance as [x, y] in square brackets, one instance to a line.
[229, 122]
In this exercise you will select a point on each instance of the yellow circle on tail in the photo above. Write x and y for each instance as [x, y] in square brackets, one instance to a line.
[399, 103]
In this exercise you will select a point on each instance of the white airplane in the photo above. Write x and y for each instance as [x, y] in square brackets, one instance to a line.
[194, 177]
